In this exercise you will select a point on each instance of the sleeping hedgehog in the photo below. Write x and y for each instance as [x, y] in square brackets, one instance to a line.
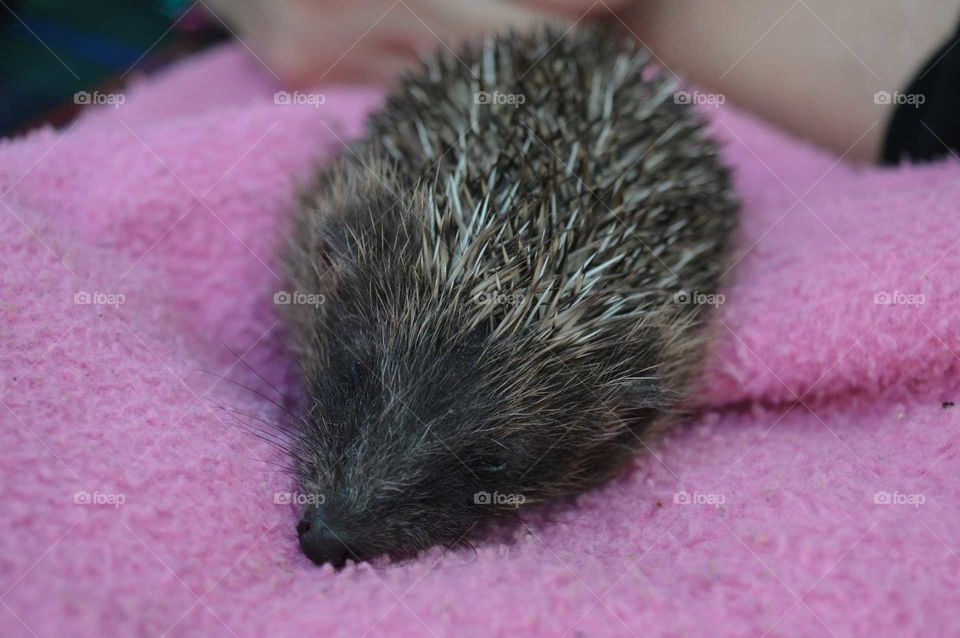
[508, 260]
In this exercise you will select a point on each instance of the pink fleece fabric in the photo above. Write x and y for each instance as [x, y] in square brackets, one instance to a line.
[815, 494]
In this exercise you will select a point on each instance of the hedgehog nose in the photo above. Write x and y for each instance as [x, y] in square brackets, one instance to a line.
[320, 543]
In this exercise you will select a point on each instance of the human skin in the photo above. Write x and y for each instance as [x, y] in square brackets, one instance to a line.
[810, 66]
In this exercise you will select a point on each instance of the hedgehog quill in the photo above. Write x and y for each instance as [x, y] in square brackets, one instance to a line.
[505, 259]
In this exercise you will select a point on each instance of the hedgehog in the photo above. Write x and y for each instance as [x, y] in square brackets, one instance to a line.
[509, 260]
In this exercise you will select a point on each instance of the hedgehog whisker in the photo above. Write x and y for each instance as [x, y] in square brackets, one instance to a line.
[282, 408]
[259, 376]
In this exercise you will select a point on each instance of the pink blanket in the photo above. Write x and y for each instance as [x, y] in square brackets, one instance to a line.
[815, 495]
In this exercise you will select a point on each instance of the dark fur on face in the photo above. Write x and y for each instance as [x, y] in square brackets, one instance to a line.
[500, 322]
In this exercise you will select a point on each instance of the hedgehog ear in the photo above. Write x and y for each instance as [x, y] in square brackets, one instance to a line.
[357, 371]
[647, 397]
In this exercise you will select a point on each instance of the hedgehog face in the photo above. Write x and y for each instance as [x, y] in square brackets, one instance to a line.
[402, 449]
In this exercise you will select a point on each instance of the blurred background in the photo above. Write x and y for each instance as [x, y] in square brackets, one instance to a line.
[94, 44]
[822, 70]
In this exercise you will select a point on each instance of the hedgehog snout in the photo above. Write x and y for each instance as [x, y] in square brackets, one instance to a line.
[321, 541]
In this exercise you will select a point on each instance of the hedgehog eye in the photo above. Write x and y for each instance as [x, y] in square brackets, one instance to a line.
[494, 465]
